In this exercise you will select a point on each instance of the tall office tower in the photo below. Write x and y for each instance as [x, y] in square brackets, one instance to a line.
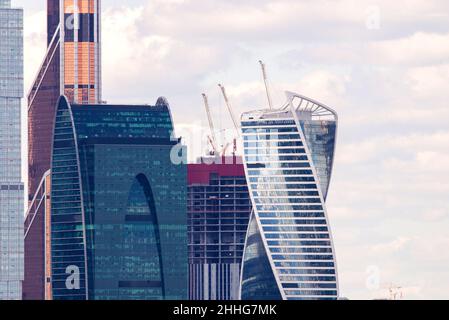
[11, 185]
[218, 211]
[36, 284]
[289, 155]
[118, 226]
[71, 66]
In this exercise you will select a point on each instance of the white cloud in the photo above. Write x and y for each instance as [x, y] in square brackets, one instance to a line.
[430, 81]
[420, 48]
[429, 151]
[391, 247]
[414, 50]
[436, 214]
[35, 44]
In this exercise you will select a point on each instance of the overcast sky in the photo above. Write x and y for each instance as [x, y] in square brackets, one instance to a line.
[382, 65]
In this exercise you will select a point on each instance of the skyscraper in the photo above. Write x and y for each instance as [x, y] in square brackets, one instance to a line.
[11, 185]
[118, 227]
[71, 66]
[36, 284]
[218, 210]
[289, 155]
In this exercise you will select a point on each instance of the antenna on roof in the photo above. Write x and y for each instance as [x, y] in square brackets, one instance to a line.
[265, 79]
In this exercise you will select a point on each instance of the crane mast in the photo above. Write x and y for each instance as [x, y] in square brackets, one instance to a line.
[228, 105]
[212, 138]
[267, 89]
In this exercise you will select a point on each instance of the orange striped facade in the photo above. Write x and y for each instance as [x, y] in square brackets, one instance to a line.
[81, 58]
[82, 6]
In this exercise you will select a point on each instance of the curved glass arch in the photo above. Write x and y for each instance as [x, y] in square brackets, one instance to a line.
[68, 240]
[141, 208]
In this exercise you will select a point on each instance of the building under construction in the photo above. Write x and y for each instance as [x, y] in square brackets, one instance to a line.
[218, 213]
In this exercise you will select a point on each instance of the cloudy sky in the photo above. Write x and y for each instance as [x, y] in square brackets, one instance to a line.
[383, 65]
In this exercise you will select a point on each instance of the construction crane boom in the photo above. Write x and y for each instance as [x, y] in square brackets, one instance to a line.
[267, 89]
[231, 112]
[212, 137]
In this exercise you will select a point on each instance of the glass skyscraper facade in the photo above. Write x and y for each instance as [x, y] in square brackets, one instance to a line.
[288, 157]
[118, 204]
[218, 211]
[71, 67]
[11, 185]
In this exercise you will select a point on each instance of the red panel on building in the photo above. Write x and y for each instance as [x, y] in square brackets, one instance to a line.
[229, 167]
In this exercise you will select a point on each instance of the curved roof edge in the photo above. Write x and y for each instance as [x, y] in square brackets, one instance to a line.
[318, 109]
[163, 102]
[60, 99]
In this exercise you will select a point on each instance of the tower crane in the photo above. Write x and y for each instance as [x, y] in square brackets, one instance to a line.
[228, 104]
[212, 137]
[267, 89]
